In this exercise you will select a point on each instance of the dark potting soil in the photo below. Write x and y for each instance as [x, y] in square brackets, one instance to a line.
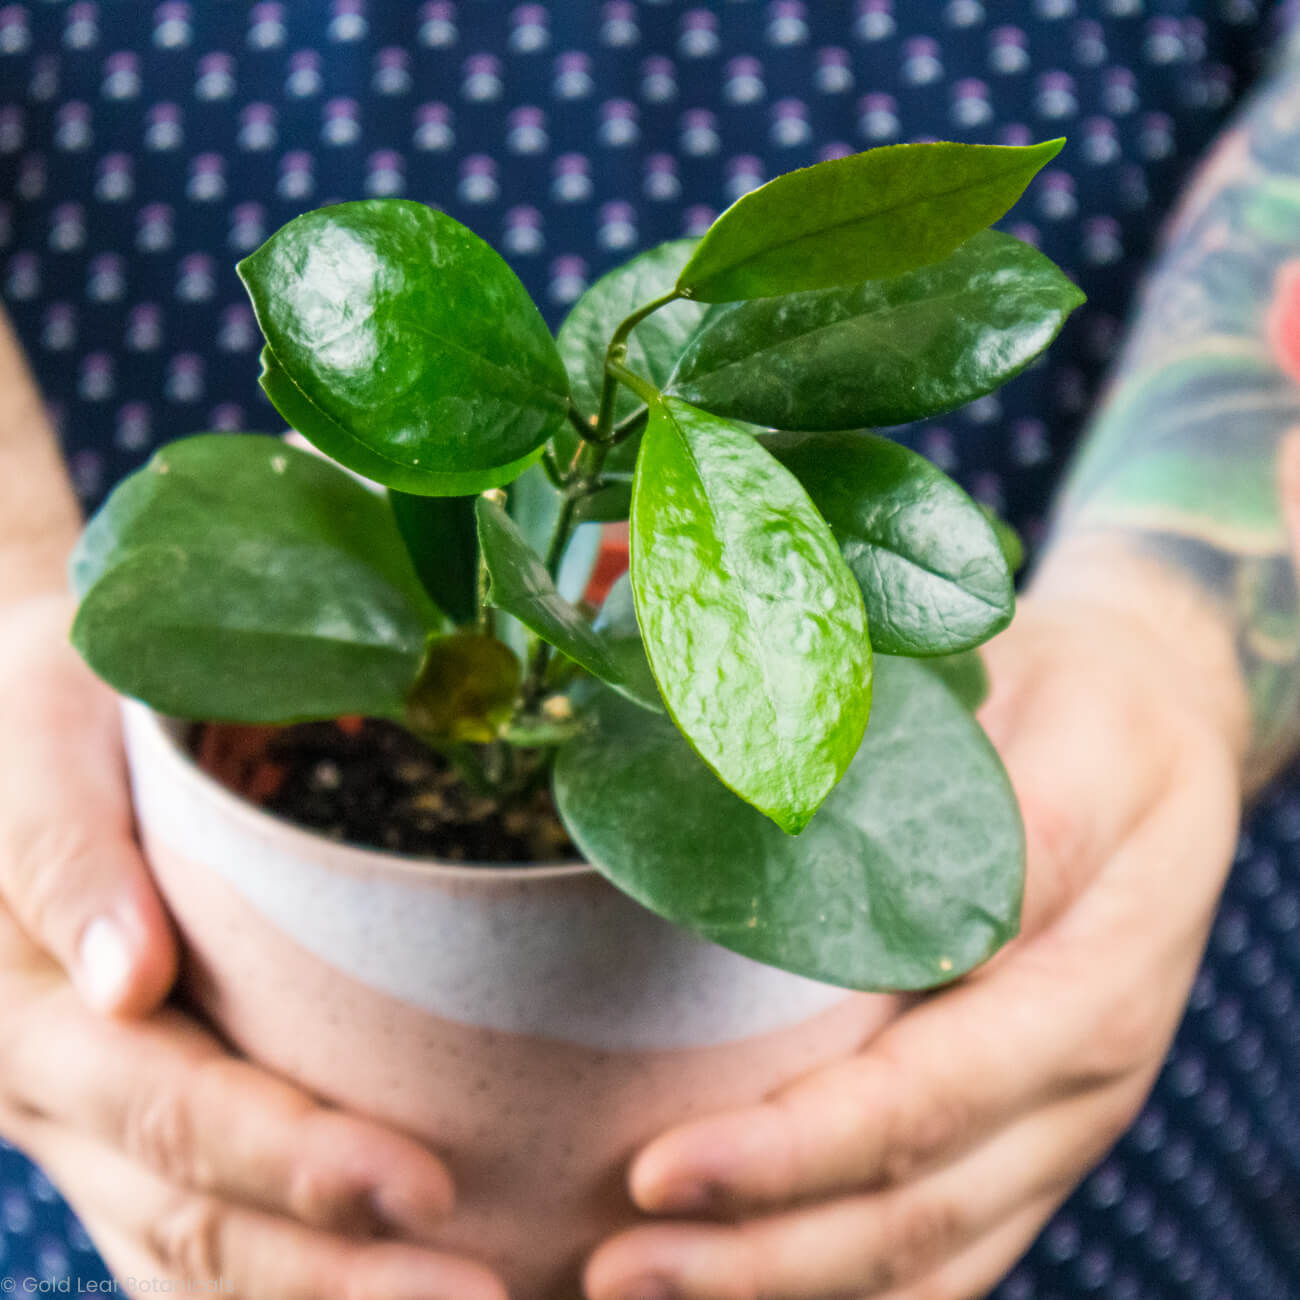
[372, 784]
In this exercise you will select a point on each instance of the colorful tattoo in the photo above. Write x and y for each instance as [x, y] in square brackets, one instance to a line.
[1184, 454]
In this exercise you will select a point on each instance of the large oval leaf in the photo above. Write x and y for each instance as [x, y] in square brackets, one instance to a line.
[964, 675]
[909, 875]
[336, 442]
[442, 542]
[521, 586]
[882, 352]
[753, 624]
[238, 579]
[652, 348]
[929, 563]
[411, 335]
[869, 215]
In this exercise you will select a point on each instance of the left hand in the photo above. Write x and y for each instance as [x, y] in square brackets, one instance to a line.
[923, 1168]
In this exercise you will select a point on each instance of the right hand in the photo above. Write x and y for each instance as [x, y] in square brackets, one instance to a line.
[183, 1162]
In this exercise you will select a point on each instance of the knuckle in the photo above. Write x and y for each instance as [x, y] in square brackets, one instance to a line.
[187, 1237]
[919, 1234]
[1124, 1037]
[37, 873]
[159, 1131]
[919, 1129]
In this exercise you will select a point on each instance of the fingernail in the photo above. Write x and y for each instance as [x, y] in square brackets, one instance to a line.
[104, 963]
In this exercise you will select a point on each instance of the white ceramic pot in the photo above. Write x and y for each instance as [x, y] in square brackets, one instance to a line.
[531, 1023]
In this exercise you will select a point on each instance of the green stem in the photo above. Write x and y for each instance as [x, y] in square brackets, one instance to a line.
[584, 474]
[560, 535]
[629, 426]
[576, 419]
[643, 388]
[552, 467]
[617, 352]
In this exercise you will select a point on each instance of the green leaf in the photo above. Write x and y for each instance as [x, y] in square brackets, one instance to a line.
[465, 692]
[235, 578]
[910, 874]
[882, 352]
[1013, 548]
[521, 586]
[925, 555]
[867, 216]
[753, 624]
[652, 348]
[335, 441]
[534, 504]
[964, 674]
[440, 536]
[610, 503]
[413, 338]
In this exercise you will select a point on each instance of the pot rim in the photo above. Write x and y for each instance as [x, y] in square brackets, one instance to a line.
[161, 733]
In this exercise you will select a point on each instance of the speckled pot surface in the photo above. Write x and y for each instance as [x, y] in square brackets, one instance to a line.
[531, 1023]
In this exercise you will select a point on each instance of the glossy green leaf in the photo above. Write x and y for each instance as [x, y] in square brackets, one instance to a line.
[652, 348]
[881, 352]
[753, 624]
[611, 503]
[465, 691]
[335, 441]
[930, 566]
[521, 586]
[1013, 547]
[235, 578]
[442, 541]
[910, 874]
[964, 674]
[534, 504]
[867, 216]
[925, 555]
[412, 336]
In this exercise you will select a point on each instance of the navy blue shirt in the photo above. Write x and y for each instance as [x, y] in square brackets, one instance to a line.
[145, 148]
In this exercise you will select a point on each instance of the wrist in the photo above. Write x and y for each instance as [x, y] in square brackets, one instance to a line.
[34, 570]
[1191, 638]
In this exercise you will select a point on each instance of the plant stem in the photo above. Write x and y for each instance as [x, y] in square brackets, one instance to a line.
[617, 352]
[584, 429]
[560, 534]
[583, 477]
[552, 467]
[629, 425]
[643, 388]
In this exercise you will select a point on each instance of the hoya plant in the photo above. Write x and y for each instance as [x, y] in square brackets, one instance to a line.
[766, 732]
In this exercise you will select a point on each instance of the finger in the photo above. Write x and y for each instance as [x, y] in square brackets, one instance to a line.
[872, 1242]
[1042, 1024]
[189, 1238]
[165, 1094]
[69, 865]
[972, 1274]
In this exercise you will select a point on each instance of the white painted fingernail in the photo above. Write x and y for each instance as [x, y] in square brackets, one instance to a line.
[105, 963]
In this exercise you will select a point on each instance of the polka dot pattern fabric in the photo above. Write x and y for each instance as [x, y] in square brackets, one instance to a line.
[145, 148]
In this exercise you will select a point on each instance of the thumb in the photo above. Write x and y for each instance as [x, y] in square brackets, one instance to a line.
[69, 865]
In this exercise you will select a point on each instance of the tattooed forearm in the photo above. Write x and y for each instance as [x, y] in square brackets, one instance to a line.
[1185, 455]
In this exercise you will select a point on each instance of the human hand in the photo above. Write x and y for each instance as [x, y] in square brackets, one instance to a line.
[183, 1162]
[923, 1168]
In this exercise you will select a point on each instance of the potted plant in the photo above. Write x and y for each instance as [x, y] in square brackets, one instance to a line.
[761, 745]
